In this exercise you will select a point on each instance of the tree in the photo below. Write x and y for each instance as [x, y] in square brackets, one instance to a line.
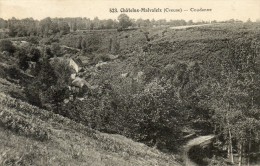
[190, 22]
[146, 23]
[149, 112]
[74, 26]
[83, 44]
[139, 22]
[91, 26]
[3, 23]
[35, 54]
[109, 23]
[155, 115]
[55, 49]
[44, 26]
[50, 86]
[62, 71]
[46, 75]
[48, 53]
[23, 61]
[124, 21]
[96, 23]
[233, 99]
[43, 81]
[54, 28]
[12, 31]
[79, 43]
[249, 21]
[64, 28]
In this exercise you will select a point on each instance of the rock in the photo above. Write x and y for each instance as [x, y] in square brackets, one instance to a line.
[66, 101]
[112, 57]
[78, 82]
[139, 76]
[73, 76]
[101, 64]
[81, 98]
[124, 75]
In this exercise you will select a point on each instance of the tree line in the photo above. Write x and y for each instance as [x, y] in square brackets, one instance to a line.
[48, 26]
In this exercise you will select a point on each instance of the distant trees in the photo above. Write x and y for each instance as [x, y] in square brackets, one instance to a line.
[143, 23]
[62, 26]
[44, 26]
[109, 24]
[31, 27]
[124, 21]
[23, 27]
[74, 26]
[47, 27]
[3, 24]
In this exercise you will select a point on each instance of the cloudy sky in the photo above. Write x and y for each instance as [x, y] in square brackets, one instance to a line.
[221, 9]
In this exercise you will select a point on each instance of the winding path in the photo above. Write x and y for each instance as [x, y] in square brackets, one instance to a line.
[201, 140]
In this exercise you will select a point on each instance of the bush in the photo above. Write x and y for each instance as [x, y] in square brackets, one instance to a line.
[33, 40]
[22, 57]
[22, 126]
[35, 54]
[7, 45]
[100, 57]
[56, 49]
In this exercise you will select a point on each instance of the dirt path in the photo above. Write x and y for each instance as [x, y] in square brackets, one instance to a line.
[194, 142]
[189, 26]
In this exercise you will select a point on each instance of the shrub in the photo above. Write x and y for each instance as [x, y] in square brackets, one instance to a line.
[33, 39]
[35, 54]
[22, 57]
[7, 45]
[56, 49]
[100, 57]
[22, 126]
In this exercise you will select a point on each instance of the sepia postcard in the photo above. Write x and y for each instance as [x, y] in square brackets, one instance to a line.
[129, 82]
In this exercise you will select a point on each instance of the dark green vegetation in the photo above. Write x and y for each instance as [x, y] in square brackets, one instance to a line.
[160, 86]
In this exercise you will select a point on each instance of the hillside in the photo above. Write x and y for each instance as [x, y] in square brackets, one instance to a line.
[33, 136]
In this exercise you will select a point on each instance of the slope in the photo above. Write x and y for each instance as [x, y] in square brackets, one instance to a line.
[33, 136]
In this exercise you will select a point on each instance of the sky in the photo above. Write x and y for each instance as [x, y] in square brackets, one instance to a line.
[221, 9]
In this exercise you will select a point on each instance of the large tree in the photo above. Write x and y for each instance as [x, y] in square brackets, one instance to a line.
[124, 21]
